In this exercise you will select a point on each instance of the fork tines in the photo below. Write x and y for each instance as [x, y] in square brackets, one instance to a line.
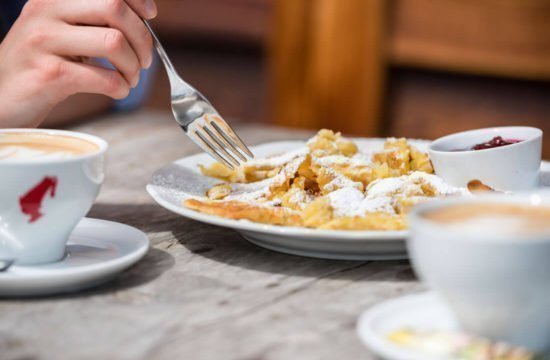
[196, 116]
[218, 139]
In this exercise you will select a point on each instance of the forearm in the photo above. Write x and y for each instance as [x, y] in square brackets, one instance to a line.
[45, 58]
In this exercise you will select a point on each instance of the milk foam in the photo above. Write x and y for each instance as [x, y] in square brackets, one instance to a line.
[493, 220]
[19, 153]
[490, 225]
[38, 146]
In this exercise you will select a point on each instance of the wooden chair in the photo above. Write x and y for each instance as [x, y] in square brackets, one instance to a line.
[329, 59]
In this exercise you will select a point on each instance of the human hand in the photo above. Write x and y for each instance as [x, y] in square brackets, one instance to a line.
[46, 56]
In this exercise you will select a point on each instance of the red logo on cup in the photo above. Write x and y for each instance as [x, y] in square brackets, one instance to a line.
[31, 202]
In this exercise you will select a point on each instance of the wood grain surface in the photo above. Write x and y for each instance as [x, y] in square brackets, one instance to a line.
[202, 292]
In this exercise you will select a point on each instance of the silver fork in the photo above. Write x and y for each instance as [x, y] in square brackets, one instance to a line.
[198, 118]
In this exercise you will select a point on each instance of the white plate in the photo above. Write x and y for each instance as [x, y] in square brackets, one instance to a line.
[417, 312]
[173, 183]
[97, 251]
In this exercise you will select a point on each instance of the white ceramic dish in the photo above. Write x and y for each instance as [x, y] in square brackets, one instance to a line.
[97, 251]
[508, 168]
[417, 312]
[173, 183]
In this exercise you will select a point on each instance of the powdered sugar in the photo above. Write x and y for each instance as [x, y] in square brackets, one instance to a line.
[380, 204]
[301, 198]
[345, 199]
[277, 160]
[357, 160]
[381, 194]
[441, 187]
[411, 185]
[339, 181]
[291, 168]
[362, 159]
[252, 192]
[386, 187]
[260, 191]
[350, 202]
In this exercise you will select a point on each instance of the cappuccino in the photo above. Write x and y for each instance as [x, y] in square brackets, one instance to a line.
[38, 146]
[494, 218]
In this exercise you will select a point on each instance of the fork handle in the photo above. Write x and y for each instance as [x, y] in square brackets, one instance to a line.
[170, 69]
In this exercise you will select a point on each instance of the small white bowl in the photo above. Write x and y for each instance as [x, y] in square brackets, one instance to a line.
[510, 167]
[496, 283]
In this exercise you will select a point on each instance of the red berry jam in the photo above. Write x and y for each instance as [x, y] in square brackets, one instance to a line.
[497, 141]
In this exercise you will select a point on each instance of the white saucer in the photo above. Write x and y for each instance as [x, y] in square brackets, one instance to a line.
[97, 251]
[419, 312]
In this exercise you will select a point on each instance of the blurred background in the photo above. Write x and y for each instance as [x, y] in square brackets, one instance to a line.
[415, 68]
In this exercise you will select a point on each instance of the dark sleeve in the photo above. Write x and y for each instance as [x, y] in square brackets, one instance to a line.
[9, 11]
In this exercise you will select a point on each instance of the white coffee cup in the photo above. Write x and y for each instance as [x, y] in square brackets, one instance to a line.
[44, 194]
[497, 282]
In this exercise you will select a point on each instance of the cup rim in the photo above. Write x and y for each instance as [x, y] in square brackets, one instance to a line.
[537, 134]
[529, 198]
[102, 144]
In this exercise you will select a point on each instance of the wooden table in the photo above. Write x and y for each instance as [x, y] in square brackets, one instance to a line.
[202, 292]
